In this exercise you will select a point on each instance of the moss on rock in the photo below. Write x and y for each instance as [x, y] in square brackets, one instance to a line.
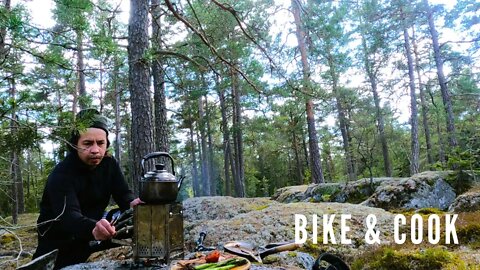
[427, 259]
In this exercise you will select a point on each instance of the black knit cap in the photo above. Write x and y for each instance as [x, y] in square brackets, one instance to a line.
[93, 119]
[87, 118]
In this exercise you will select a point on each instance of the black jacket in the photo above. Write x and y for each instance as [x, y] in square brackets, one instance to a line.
[76, 197]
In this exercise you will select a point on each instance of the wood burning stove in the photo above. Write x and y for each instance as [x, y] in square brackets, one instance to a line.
[158, 224]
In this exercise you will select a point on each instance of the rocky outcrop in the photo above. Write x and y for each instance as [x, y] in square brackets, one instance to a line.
[262, 221]
[423, 190]
[221, 207]
[352, 192]
[427, 189]
[290, 194]
[467, 202]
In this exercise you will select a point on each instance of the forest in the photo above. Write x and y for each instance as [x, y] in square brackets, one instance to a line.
[248, 96]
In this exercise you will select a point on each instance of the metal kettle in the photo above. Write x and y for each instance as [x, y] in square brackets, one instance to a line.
[159, 185]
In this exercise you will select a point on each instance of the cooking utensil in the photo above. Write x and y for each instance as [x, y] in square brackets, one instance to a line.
[199, 242]
[250, 251]
[159, 185]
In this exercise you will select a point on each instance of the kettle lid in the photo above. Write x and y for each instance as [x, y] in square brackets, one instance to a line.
[160, 174]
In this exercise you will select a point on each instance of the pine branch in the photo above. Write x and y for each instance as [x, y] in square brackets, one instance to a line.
[210, 46]
[461, 41]
[183, 56]
[273, 65]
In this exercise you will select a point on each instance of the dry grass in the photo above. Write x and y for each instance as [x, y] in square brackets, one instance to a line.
[21, 237]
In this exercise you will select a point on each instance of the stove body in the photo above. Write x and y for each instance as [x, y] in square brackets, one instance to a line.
[158, 233]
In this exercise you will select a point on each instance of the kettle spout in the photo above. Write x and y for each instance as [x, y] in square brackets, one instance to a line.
[180, 181]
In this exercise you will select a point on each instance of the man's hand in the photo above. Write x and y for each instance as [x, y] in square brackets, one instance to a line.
[135, 202]
[103, 230]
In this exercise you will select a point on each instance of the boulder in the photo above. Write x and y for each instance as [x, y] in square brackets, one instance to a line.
[426, 189]
[467, 202]
[325, 192]
[290, 194]
[353, 192]
[358, 191]
[423, 190]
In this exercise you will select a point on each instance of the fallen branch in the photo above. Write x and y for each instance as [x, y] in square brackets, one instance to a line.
[19, 253]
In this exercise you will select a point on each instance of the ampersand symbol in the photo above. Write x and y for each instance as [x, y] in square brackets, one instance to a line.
[372, 235]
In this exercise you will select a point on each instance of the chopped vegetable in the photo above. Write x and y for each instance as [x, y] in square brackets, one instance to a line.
[212, 256]
[205, 266]
[222, 265]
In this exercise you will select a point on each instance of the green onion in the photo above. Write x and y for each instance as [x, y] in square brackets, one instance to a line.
[223, 265]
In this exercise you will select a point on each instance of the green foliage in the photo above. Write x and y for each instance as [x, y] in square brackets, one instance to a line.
[74, 13]
[389, 258]
[470, 235]
[462, 180]
[12, 19]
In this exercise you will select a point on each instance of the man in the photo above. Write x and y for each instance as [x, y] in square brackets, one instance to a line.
[77, 192]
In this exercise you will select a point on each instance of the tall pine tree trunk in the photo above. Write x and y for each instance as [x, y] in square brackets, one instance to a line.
[81, 87]
[305, 150]
[342, 119]
[142, 129]
[315, 162]
[203, 148]
[296, 151]
[14, 186]
[423, 102]
[239, 183]
[102, 88]
[415, 146]
[378, 110]
[447, 102]
[160, 103]
[227, 153]
[330, 163]
[441, 140]
[195, 181]
[18, 206]
[211, 167]
[118, 119]
[298, 162]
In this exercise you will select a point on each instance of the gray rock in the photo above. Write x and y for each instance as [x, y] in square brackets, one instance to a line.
[467, 202]
[300, 260]
[325, 192]
[427, 189]
[290, 194]
[352, 192]
[275, 222]
[261, 221]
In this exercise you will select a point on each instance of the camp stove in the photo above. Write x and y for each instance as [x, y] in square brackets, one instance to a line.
[158, 224]
[158, 233]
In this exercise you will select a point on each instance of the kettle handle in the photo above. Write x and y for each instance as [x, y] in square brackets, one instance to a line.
[155, 155]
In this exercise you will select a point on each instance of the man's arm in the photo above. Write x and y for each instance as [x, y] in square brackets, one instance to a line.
[121, 193]
[64, 201]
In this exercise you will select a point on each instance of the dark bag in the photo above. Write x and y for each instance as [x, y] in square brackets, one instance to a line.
[335, 263]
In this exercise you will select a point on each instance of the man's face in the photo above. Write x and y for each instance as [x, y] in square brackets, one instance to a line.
[92, 146]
